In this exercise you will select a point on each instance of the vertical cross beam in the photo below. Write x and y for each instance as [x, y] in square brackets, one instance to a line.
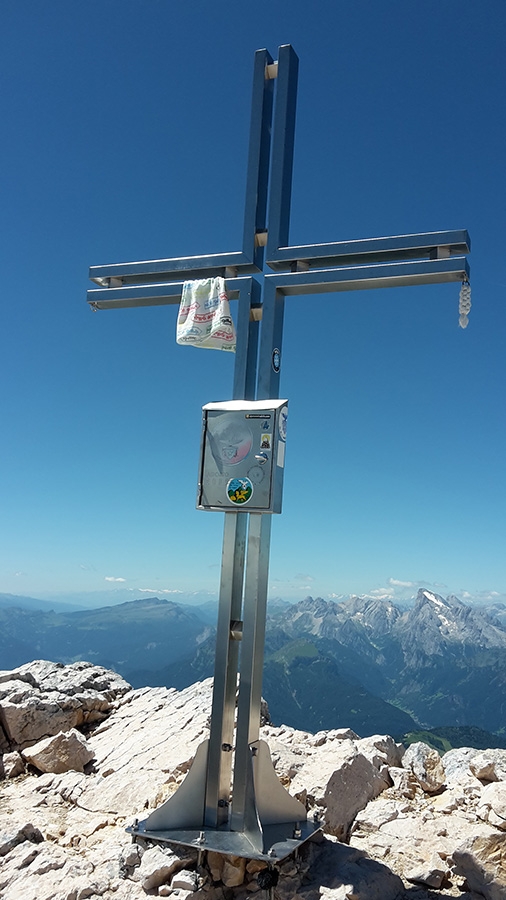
[255, 816]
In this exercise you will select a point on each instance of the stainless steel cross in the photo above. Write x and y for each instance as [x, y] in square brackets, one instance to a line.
[231, 800]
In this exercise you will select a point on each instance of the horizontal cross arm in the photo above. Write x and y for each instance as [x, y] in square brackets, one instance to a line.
[356, 278]
[435, 244]
[152, 294]
[209, 266]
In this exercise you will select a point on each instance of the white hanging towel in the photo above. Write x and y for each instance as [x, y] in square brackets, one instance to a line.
[204, 318]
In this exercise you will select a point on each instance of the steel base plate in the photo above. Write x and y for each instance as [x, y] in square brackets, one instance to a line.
[279, 840]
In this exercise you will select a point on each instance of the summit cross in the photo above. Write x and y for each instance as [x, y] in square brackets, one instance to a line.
[231, 800]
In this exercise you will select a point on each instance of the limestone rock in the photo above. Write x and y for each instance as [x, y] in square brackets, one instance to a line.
[456, 764]
[9, 840]
[426, 765]
[489, 765]
[492, 806]
[348, 874]
[146, 748]
[381, 750]
[340, 734]
[215, 862]
[482, 861]
[184, 880]
[403, 840]
[157, 866]
[404, 781]
[13, 764]
[233, 870]
[40, 699]
[428, 871]
[63, 751]
[130, 856]
[319, 765]
[378, 813]
[354, 782]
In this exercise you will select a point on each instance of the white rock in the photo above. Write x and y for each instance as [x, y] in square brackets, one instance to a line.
[426, 765]
[448, 802]
[381, 750]
[185, 880]
[489, 765]
[13, 764]
[62, 752]
[142, 752]
[335, 734]
[492, 807]
[482, 862]
[131, 856]
[428, 871]
[377, 813]
[42, 698]
[404, 781]
[158, 866]
[456, 765]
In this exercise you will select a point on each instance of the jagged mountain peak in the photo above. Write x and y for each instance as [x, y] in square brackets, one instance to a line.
[371, 611]
[316, 605]
[355, 618]
[426, 596]
[436, 622]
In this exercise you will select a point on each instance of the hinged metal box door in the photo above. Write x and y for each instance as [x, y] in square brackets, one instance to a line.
[243, 456]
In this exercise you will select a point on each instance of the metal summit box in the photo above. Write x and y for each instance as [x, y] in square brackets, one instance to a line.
[242, 456]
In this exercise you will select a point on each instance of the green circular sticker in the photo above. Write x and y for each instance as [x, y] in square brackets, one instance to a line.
[239, 490]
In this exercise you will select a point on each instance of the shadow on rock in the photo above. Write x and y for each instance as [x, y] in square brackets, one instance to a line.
[341, 871]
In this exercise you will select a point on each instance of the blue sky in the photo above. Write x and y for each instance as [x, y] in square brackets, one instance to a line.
[125, 137]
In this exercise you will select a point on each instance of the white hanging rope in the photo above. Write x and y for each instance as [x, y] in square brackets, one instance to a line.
[464, 304]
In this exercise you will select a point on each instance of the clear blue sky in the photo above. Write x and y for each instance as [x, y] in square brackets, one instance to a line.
[125, 129]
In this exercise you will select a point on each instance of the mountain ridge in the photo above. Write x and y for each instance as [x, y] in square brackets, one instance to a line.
[438, 663]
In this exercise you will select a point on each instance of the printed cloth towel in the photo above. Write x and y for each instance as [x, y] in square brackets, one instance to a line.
[204, 318]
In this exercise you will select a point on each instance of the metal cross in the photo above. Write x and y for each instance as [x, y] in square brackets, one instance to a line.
[231, 800]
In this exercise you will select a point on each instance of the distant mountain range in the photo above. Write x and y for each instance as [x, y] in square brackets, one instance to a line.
[76, 600]
[360, 663]
[441, 661]
[145, 633]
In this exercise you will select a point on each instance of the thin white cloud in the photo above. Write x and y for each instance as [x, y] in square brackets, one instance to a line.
[111, 578]
[158, 591]
[479, 598]
[379, 594]
[396, 583]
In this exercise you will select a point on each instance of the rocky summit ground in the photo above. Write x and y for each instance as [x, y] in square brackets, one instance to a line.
[83, 755]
